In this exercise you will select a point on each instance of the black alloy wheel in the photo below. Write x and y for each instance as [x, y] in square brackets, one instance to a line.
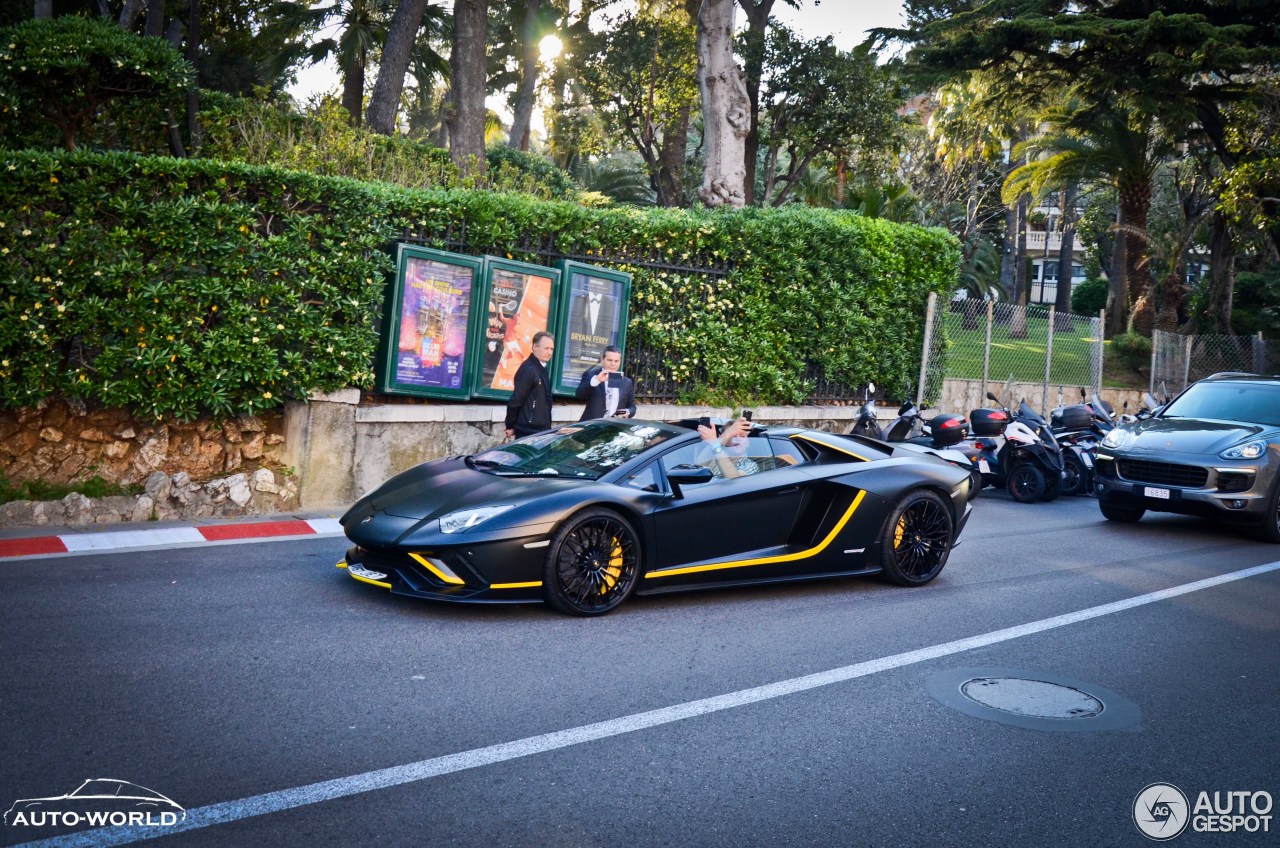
[1075, 480]
[1269, 529]
[1122, 512]
[917, 539]
[593, 563]
[1026, 483]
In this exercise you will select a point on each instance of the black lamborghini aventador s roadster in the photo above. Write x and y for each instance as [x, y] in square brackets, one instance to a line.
[584, 515]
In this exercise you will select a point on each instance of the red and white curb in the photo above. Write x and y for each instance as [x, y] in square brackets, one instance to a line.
[72, 543]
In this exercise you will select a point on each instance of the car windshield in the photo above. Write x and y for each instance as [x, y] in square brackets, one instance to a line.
[583, 451]
[1256, 403]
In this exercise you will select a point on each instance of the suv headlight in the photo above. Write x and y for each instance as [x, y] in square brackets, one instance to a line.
[465, 519]
[1249, 450]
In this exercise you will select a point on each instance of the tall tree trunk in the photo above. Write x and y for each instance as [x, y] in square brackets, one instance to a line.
[467, 61]
[1117, 285]
[522, 117]
[1222, 277]
[155, 18]
[672, 152]
[194, 136]
[44, 9]
[1021, 290]
[384, 103]
[757, 13]
[129, 14]
[353, 90]
[724, 107]
[1135, 200]
[1066, 260]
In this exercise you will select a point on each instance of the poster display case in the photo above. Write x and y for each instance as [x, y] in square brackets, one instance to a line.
[593, 313]
[516, 300]
[430, 324]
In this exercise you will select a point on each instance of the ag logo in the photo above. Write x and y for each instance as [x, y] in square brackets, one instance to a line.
[1160, 811]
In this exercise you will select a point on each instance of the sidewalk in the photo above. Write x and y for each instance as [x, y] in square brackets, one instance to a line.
[33, 541]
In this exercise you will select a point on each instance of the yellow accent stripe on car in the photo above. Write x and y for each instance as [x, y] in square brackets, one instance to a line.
[367, 580]
[342, 563]
[534, 584]
[826, 444]
[445, 575]
[817, 549]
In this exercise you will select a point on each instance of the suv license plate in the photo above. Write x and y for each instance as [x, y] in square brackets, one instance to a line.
[1153, 492]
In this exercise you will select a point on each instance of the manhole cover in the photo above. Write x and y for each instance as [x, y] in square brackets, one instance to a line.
[1033, 698]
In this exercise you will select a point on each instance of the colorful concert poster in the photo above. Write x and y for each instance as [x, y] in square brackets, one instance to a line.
[431, 347]
[593, 316]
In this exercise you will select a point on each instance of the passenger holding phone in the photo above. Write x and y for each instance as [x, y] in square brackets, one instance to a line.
[608, 392]
[726, 454]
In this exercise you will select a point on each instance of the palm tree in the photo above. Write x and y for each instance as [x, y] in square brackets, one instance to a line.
[361, 29]
[1108, 143]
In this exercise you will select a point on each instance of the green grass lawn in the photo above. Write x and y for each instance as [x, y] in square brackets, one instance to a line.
[1022, 357]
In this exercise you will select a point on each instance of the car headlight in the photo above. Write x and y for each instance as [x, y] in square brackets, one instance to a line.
[1117, 438]
[465, 519]
[1249, 450]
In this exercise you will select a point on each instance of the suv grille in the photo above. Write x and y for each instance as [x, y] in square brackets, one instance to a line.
[1163, 473]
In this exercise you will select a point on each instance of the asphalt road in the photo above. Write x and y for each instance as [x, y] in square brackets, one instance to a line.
[258, 686]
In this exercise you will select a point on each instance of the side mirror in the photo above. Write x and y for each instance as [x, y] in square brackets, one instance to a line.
[684, 475]
[991, 396]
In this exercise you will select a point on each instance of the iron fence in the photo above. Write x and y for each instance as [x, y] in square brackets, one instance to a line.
[653, 369]
[1177, 361]
[982, 340]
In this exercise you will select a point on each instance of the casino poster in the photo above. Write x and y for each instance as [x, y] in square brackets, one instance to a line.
[519, 304]
[429, 320]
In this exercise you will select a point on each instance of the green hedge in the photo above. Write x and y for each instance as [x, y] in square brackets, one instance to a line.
[182, 287]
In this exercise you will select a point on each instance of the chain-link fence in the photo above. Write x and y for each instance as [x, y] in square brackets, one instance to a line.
[1177, 361]
[989, 342]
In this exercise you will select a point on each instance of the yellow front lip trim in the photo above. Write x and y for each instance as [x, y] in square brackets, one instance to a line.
[817, 549]
[343, 564]
[448, 578]
[530, 585]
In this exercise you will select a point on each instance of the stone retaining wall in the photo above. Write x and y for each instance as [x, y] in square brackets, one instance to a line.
[178, 496]
[64, 442]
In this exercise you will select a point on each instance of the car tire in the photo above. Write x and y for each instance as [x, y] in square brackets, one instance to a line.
[1269, 529]
[916, 539]
[593, 563]
[1025, 483]
[1122, 512]
[975, 484]
[1075, 479]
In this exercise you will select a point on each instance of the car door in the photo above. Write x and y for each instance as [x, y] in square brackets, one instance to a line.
[729, 517]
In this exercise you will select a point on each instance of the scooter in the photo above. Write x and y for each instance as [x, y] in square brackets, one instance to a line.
[1015, 451]
[1079, 429]
[936, 436]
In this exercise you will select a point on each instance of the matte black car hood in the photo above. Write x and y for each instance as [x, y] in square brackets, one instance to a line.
[1190, 435]
[436, 488]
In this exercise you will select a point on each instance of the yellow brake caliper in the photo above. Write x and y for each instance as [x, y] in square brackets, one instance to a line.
[899, 532]
[613, 573]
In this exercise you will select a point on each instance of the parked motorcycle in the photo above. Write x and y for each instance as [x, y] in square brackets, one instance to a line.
[1079, 428]
[936, 436]
[1015, 451]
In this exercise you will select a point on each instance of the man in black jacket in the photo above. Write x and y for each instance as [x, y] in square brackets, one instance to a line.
[607, 391]
[529, 408]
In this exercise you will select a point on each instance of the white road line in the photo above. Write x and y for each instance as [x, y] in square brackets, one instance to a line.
[287, 799]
